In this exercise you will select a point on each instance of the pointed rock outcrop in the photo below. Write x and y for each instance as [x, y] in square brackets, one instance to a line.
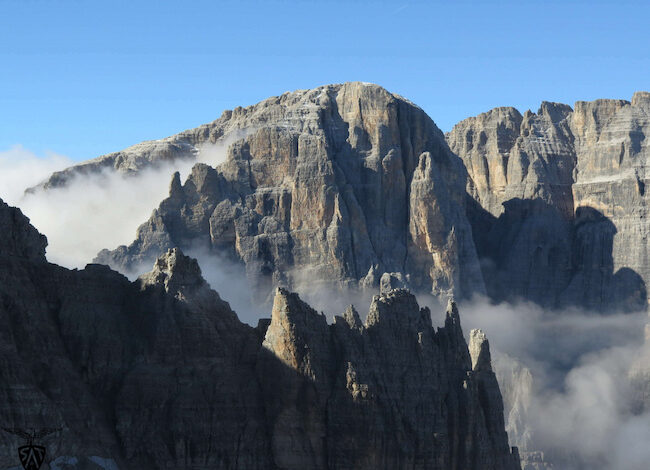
[479, 351]
[372, 396]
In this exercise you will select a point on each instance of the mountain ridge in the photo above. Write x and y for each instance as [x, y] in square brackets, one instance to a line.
[530, 177]
[345, 164]
[160, 373]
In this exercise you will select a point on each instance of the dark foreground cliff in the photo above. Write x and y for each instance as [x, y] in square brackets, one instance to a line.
[160, 373]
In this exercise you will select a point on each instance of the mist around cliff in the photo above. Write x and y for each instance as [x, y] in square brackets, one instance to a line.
[21, 168]
[582, 410]
[96, 210]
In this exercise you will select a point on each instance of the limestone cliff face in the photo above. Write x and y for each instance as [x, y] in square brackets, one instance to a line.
[510, 156]
[559, 201]
[338, 184]
[159, 373]
[345, 183]
[613, 152]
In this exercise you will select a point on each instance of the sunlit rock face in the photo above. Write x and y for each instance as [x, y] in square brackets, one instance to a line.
[160, 373]
[559, 202]
[336, 185]
[510, 156]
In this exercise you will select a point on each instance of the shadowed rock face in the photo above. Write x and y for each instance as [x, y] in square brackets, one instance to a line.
[559, 211]
[160, 373]
[338, 185]
[151, 374]
[392, 380]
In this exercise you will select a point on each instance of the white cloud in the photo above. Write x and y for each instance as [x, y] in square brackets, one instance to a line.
[580, 412]
[91, 212]
[21, 169]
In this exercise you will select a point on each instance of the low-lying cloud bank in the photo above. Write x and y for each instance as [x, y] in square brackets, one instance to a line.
[92, 212]
[584, 406]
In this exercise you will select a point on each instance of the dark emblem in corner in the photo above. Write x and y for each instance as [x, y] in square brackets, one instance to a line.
[31, 455]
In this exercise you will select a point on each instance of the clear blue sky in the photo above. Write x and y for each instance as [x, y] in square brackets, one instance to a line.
[87, 78]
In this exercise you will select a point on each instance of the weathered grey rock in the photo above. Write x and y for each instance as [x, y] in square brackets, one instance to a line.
[337, 185]
[392, 281]
[613, 153]
[558, 209]
[510, 156]
[159, 373]
[352, 395]
[17, 237]
[182, 147]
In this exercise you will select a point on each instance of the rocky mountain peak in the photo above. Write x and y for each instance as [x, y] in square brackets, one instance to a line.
[19, 238]
[296, 333]
[345, 182]
[179, 274]
[641, 99]
[479, 351]
[334, 371]
[175, 186]
[555, 111]
[397, 310]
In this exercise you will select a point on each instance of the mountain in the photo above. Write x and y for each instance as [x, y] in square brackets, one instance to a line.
[160, 373]
[343, 184]
[349, 186]
[558, 201]
[336, 185]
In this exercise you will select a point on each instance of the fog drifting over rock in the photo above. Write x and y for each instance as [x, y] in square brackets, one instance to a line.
[580, 407]
[93, 211]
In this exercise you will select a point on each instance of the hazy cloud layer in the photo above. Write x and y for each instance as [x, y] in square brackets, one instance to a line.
[581, 411]
[21, 169]
[92, 212]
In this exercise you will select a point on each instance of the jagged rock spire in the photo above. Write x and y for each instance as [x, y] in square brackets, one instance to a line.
[479, 351]
[175, 271]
